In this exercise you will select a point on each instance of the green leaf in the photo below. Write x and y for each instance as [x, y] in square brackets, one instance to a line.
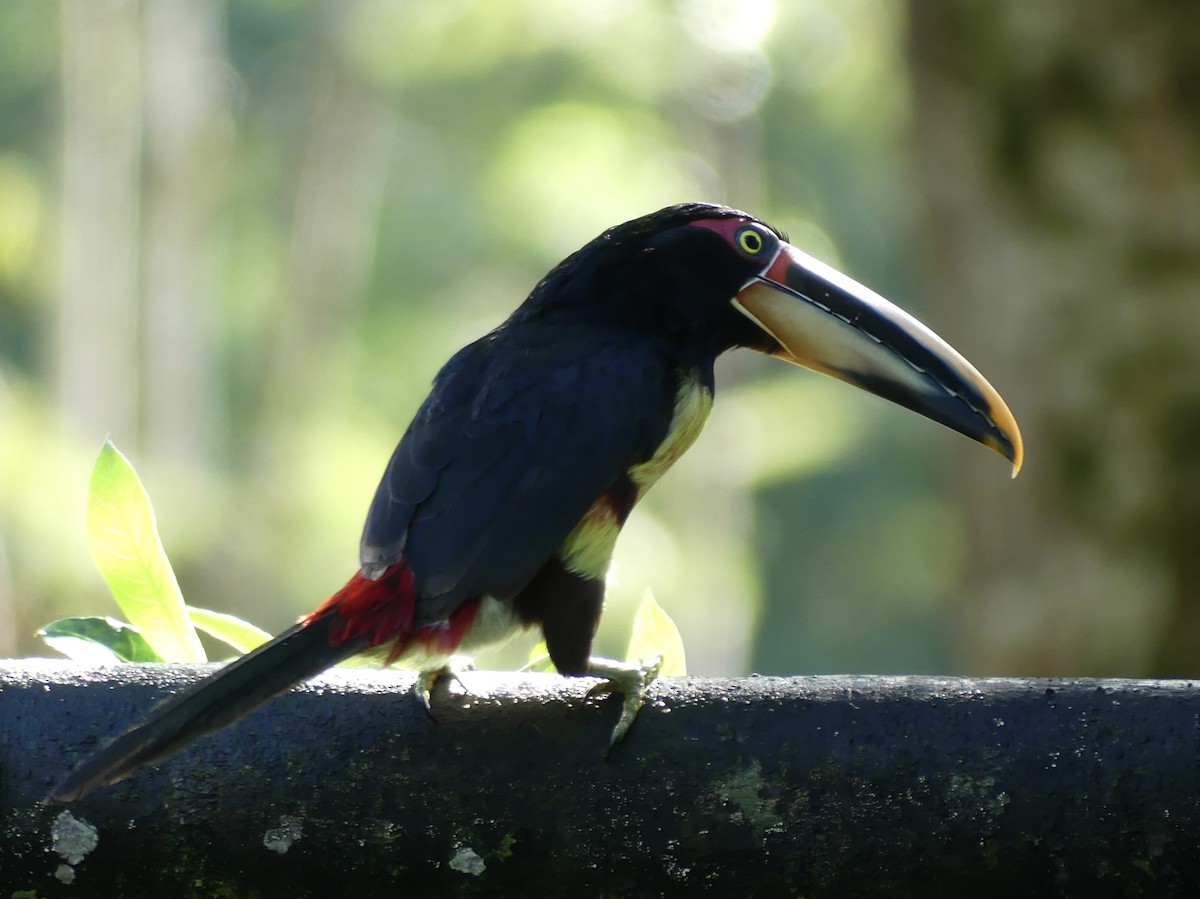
[98, 640]
[655, 634]
[539, 658]
[241, 635]
[123, 538]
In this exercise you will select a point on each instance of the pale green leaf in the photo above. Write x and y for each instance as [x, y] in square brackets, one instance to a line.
[123, 538]
[96, 640]
[241, 635]
[655, 634]
[539, 658]
[83, 650]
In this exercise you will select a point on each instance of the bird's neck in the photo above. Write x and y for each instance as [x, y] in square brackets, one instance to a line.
[588, 549]
[693, 403]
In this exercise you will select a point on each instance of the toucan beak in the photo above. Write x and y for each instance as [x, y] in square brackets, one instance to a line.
[832, 324]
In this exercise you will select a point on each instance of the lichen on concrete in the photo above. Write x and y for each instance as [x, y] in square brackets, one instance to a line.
[744, 790]
[467, 861]
[73, 838]
[279, 839]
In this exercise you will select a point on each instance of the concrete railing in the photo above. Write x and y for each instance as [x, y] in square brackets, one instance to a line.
[806, 786]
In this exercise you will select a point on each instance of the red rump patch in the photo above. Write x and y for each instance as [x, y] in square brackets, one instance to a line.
[379, 610]
[384, 609]
[443, 637]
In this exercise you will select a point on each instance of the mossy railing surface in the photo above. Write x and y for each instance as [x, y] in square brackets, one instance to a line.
[805, 786]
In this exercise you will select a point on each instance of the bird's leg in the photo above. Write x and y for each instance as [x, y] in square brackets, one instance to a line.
[427, 679]
[630, 681]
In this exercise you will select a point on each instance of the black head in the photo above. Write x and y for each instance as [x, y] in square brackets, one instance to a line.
[671, 274]
[701, 279]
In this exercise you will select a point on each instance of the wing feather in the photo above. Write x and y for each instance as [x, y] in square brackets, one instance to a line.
[522, 431]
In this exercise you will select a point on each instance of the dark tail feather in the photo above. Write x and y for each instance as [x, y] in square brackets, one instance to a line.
[217, 701]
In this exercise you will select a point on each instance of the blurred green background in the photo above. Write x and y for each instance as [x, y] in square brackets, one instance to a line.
[241, 237]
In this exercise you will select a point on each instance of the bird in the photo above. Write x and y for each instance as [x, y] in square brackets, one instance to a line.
[500, 507]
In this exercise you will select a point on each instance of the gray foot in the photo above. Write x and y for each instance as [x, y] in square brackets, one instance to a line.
[427, 680]
[630, 681]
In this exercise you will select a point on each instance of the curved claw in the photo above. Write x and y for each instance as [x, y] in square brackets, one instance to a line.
[629, 680]
[426, 680]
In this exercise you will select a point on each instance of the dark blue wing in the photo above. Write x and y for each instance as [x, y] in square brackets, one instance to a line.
[522, 432]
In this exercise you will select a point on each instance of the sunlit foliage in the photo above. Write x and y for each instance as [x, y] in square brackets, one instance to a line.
[327, 199]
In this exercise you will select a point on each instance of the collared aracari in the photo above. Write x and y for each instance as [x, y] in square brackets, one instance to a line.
[500, 507]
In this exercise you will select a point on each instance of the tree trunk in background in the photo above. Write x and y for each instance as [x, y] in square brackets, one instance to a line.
[339, 186]
[95, 356]
[1058, 147]
[135, 344]
[187, 148]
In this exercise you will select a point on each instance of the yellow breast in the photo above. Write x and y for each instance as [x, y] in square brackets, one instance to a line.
[693, 403]
[589, 547]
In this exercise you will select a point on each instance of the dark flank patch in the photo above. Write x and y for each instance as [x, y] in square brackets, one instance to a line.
[567, 606]
[621, 497]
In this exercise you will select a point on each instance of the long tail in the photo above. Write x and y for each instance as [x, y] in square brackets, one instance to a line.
[324, 638]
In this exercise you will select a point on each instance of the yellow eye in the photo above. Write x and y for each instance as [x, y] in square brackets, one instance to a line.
[750, 241]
